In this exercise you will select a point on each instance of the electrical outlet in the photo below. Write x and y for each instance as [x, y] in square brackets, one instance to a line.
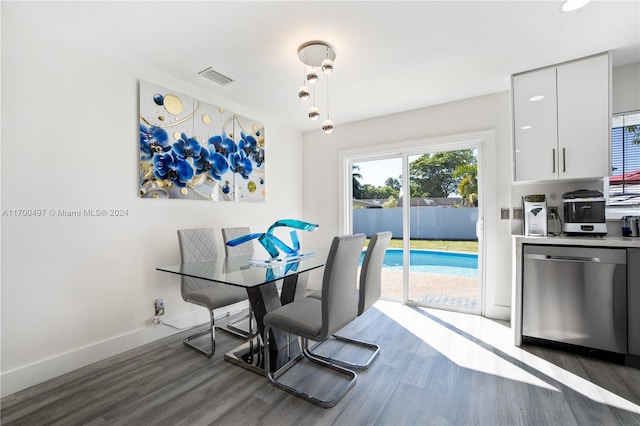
[159, 305]
[504, 213]
[553, 212]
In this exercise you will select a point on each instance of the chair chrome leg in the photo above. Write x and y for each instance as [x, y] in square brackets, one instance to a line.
[375, 348]
[211, 331]
[325, 403]
[233, 328]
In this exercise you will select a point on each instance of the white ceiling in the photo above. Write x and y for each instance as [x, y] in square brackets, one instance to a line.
[391, 56]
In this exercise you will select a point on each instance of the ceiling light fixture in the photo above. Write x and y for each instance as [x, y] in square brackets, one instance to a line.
[327, 125]
[573, 5]
[317, 55]
[304, 93]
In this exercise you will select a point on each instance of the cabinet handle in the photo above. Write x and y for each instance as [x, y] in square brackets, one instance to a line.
[553, 160]
[564, 163]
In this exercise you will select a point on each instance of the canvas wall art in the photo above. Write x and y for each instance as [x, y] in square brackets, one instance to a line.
[193, 150]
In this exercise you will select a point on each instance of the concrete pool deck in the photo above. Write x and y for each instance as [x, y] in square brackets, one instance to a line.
[449, 290]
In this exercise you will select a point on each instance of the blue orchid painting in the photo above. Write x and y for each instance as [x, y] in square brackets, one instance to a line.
[193, 150]
[167, 167]
[209, 161]
[186, 147]
[152, 140]
[275, 247]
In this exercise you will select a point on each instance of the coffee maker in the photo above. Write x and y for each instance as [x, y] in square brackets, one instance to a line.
[534, 211]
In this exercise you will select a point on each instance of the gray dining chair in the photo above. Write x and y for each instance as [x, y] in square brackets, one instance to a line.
[198, 245]
[229, 234]
[317, 319]
[245, 249]
[368, 294]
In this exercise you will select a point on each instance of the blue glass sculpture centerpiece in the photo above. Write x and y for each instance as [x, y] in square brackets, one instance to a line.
[277, 249]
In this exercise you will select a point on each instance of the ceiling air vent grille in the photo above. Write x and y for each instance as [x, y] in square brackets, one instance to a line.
[214, 75]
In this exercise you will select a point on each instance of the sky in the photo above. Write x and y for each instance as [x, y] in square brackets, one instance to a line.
[378, 171]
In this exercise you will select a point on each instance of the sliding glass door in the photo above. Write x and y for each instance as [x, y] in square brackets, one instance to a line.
[441, 219]
[376, 192]
[429, 199]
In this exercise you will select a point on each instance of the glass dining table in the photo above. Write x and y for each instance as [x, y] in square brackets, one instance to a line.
[259, 278]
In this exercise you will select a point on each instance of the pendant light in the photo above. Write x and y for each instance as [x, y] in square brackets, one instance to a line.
[303, 93]
[318, 55]
[327, 125]
[314, 112]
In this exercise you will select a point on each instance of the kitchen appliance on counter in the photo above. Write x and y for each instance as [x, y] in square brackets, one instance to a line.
[584, 213]
[631, 226]
[534, 208]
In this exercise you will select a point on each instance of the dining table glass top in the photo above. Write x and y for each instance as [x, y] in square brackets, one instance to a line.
[249, 270]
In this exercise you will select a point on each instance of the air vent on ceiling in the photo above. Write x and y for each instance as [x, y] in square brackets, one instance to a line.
[214, 75]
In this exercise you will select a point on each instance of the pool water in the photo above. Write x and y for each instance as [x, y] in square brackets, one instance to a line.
[435, 262]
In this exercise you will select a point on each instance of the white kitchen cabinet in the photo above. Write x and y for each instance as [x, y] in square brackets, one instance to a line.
[584, 121]
[535, 125]
[561, 121]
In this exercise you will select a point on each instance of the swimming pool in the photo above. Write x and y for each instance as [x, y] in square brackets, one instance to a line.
[435, 262]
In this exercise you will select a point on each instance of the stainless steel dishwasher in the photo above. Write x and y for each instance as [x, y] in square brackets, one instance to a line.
[575, 295]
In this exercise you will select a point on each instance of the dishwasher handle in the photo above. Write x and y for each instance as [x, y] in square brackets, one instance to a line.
[599, 255]
[564, 258]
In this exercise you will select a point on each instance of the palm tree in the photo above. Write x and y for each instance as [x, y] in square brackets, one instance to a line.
[468, 186]
[356, 177]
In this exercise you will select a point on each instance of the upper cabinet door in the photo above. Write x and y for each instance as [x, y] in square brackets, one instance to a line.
[535, 125]
[562, 121]
[584, 119]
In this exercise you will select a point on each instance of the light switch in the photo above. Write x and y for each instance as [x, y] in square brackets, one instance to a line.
[504, 213]
[517, 213]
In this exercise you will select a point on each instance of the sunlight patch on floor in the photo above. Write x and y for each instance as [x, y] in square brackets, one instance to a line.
[456, 347]
[469, 354]
[501, 337]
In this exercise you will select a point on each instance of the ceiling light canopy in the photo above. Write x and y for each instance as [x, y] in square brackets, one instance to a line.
[316, 55]
[313, 53]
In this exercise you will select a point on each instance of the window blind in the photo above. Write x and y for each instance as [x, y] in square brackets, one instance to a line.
[625, 154]
[624, 182]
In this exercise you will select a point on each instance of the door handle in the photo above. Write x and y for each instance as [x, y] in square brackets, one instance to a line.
[553, 159]
[480, 228]
[564, 162]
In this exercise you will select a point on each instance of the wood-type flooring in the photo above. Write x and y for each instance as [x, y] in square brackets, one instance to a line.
[435, 367]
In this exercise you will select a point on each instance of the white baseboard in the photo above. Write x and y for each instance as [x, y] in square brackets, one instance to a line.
[498, 312]
[29, 375]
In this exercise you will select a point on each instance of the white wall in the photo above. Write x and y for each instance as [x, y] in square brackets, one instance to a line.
[76, 289]
[626, 88]
[485, 113]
